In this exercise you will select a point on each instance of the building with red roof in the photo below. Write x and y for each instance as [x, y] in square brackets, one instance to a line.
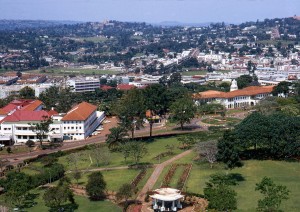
[18, 118]
[125, 87]
[248, 96]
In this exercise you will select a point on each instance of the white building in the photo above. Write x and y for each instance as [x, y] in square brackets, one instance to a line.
[248, 96]
[84, 84]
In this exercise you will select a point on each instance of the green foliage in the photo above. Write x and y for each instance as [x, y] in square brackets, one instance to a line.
[276, 134]
[16, 186]
[187, 141]
[42, 128]
[134, 149]
[244, 81]
[116, 137]
[131, 110]
[27, 93]
[228, 151]
[220, 196]
[282, 88]
[211, 108]
[54, 197]
[183, 110]
[96, 186]
[125, 192]
[273, 195]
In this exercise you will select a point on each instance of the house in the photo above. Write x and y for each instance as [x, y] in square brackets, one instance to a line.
[248, 96]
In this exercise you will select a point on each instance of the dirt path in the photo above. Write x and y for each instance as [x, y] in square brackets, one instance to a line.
[157, 171]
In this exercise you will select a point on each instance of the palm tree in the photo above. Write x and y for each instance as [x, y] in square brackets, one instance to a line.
[116, 137]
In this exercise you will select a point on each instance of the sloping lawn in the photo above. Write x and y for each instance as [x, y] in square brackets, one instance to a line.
[284, 173]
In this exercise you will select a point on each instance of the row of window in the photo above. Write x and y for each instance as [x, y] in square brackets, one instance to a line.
[71, 134]
[72, 128]
[29, 137]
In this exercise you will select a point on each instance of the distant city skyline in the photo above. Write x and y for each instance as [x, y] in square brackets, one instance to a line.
[151, 11]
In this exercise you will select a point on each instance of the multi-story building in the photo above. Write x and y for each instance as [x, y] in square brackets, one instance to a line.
[84, 84]
[18, 119]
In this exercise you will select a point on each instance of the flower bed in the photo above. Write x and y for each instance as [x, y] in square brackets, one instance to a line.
[138, 178]
[184, 176]
[169, 175]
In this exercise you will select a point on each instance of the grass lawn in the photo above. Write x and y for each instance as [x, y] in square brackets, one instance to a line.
[14, 149]
[154, 148]
[84, 204]
[192, 73]
[113, 178]
[285, 173]
[68, 71]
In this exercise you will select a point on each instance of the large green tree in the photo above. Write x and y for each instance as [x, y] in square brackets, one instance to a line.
[244, 81]
[131, 110]
[16, 187]
[183, 110]
[273, 195]
[56, 196]
[96, 186]
[27, 93]
[228, 150]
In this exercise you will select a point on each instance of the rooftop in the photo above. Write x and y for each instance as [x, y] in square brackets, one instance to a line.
[80, 112]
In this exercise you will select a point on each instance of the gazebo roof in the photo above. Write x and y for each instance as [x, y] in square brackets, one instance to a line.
[167, 194]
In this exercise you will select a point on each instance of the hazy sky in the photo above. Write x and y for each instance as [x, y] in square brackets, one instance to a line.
[153, 11]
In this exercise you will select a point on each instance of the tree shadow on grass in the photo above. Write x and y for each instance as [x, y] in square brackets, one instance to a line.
[65, 208]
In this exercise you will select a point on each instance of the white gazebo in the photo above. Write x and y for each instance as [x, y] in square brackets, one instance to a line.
[166, 199]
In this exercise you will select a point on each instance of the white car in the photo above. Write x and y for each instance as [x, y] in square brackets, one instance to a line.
[2, 145]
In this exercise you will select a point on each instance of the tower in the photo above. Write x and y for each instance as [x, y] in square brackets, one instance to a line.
[233, 86]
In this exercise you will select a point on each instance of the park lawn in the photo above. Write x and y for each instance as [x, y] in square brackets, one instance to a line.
[220, 120]
[176, 176]
[114, 178]
[69, 71]
[84, 204]
[154, 148]
[284, 173]
[145, 179]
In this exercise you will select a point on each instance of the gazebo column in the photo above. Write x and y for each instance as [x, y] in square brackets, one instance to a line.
[179, 204]
[155, 204]
[163, 206]
[173, 206]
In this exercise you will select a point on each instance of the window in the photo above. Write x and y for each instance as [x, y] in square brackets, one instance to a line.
[31, 137]
[19, 137]
[24, 136]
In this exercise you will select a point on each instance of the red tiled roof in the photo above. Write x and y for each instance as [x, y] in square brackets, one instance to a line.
[3, 112]
[52, 112]
[248, 91]
[105, 87]
[80, 112]
[21, 115]
[33, 105]
[125, 87]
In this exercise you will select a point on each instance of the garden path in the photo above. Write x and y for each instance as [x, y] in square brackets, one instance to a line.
[155, 174]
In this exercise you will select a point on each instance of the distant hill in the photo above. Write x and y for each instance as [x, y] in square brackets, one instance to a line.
[20, 24]
[175, 23]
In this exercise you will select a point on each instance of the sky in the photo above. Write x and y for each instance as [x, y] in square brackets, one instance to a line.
[150, 11]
